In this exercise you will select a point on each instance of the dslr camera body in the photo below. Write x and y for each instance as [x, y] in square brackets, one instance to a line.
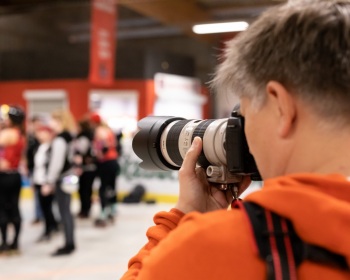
[162, 142]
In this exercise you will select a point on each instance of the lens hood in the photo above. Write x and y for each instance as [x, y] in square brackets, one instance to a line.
[146, 142]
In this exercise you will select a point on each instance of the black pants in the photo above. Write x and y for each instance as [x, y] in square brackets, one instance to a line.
[108, 172]
[85, 191]
[63, 200]
[10, 187]
[46, 207]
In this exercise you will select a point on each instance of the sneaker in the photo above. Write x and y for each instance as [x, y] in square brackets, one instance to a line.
[100, 223]
[4, 249]
[111, 218]
[13, 249]
[83, 216]
[55, 230]
[44, 238]
[36, 221]
[66, 250]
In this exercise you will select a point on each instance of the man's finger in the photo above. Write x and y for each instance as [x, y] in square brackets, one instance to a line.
[244, 184]
[191, 157]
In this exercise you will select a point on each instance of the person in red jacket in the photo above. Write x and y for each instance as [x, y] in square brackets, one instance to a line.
[104, 147]
[291, 72]
[12, 143]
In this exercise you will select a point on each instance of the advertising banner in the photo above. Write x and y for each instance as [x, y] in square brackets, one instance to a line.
[174, 92]
[103, 42]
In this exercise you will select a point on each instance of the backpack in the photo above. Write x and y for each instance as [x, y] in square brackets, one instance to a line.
[136, 195]
[279, 245]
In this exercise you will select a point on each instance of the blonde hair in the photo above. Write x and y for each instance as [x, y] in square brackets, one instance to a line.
[66, 118]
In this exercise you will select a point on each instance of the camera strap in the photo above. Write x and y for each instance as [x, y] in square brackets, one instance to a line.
[277, 243]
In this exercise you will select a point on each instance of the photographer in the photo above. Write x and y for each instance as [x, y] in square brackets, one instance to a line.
[291, 71]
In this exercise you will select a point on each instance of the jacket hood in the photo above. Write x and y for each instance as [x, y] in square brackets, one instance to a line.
[317, 205]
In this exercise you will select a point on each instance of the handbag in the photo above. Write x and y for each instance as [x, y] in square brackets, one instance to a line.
[70, 183]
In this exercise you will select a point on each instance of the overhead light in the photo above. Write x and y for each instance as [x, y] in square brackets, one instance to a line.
[221, 27]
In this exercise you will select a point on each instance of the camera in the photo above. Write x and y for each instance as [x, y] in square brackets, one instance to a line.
[162, 142]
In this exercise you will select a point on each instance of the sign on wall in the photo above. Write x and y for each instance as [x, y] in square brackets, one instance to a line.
[42, 102]
[118, 108]
[176, 92]
[103, 43]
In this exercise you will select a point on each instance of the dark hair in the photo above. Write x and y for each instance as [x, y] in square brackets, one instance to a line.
[17, 115]
[84, 125]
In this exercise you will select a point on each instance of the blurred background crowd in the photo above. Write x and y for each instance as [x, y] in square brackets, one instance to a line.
[124, 60]
[60, 156]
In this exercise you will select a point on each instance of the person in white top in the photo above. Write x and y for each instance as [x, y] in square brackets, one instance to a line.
[42, 156]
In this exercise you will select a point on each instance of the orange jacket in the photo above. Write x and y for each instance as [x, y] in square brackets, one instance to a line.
[218, 245]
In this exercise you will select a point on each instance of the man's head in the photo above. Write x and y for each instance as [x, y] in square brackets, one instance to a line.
[291, 69]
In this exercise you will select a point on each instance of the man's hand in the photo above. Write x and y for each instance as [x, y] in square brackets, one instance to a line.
[196, 193]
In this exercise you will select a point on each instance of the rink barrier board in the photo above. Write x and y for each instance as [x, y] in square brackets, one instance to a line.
[27, 193]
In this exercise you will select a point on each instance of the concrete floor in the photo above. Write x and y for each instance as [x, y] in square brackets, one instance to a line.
[102, 253]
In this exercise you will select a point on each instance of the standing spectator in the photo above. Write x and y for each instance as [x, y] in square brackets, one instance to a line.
[85, 157]
[63, 125]
[104, 147]
[32, 146]
[12, 143]
[42, 156]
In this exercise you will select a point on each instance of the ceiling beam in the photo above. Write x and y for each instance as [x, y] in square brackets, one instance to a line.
[179, 13]
[168, 11]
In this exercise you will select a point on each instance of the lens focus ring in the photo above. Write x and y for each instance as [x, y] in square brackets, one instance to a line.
[199, 131]
[172, 141]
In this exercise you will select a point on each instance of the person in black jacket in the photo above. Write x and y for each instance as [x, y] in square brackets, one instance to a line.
[32, 146]
[60, 163]
[87, 161]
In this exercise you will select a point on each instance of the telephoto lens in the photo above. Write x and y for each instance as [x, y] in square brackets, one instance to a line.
[162, 142]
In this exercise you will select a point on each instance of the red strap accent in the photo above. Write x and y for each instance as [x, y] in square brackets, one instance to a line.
[289, 250]
[275, 255]
[237, 203]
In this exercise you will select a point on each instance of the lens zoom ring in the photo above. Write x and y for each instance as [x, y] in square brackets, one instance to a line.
[199, 131]
[172, 141]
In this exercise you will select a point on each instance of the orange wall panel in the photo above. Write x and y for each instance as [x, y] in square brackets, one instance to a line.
[78, 93]
[12, 92]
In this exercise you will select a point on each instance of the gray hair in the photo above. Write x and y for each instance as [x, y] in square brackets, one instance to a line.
[304, 45]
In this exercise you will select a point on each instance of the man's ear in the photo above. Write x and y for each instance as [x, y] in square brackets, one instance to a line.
[284, 106]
